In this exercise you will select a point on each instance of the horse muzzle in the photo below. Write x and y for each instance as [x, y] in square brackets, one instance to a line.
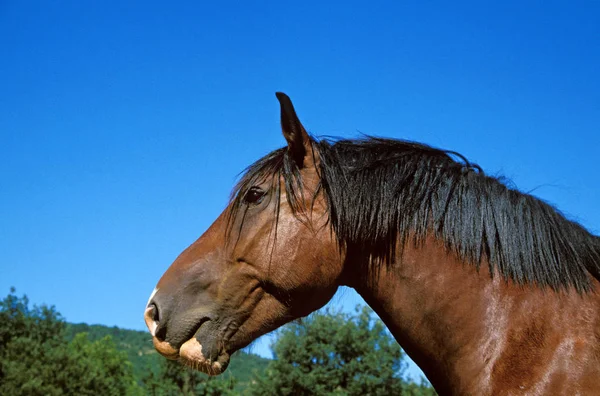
[196, 343]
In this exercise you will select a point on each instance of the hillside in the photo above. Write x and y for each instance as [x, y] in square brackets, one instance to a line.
[141, 353]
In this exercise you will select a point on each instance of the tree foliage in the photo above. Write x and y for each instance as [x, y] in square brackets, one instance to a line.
[159, 376]
[325, 354]
[175, 379]
[35, 358]
[336, 354]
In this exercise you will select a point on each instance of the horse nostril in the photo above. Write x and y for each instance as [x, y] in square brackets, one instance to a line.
[154, 312]
[160, 333]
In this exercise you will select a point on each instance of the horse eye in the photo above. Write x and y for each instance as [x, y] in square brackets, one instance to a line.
[254, 195]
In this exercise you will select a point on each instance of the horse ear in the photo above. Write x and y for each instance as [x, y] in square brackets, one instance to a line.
[299, 144]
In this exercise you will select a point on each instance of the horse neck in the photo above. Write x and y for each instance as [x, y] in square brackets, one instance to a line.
[435, 306]
[472, 333]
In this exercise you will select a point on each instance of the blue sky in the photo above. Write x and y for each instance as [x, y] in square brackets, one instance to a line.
[123, 125]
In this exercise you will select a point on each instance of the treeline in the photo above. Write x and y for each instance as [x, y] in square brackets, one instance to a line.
[153, 371]
[326, 353]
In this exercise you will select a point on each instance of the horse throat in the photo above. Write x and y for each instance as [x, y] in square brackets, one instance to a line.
[437, 308]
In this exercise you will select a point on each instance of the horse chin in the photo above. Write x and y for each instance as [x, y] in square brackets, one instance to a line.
[204, 352]
[190, 354]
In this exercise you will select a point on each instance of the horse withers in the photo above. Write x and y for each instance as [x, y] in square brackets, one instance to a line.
[489, 290]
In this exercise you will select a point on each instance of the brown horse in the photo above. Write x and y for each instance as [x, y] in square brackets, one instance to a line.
[489, 290]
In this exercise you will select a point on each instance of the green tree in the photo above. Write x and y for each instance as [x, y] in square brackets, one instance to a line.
[336, 354]
[422, 389]
[175, 379]
[35, 358]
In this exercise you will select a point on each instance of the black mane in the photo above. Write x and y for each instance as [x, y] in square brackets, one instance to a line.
[381, 192]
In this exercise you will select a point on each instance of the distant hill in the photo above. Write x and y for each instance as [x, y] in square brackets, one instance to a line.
[141, 353]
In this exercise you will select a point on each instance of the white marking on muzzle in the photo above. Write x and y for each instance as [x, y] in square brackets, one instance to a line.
[152, 326]
[152, 296]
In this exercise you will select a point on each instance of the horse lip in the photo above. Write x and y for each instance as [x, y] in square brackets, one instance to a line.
[202, 321]
[165, 349]
[171, 352]
[191, 354]
[195, 330]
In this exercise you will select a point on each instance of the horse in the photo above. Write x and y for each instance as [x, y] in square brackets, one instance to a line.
[489, 290]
